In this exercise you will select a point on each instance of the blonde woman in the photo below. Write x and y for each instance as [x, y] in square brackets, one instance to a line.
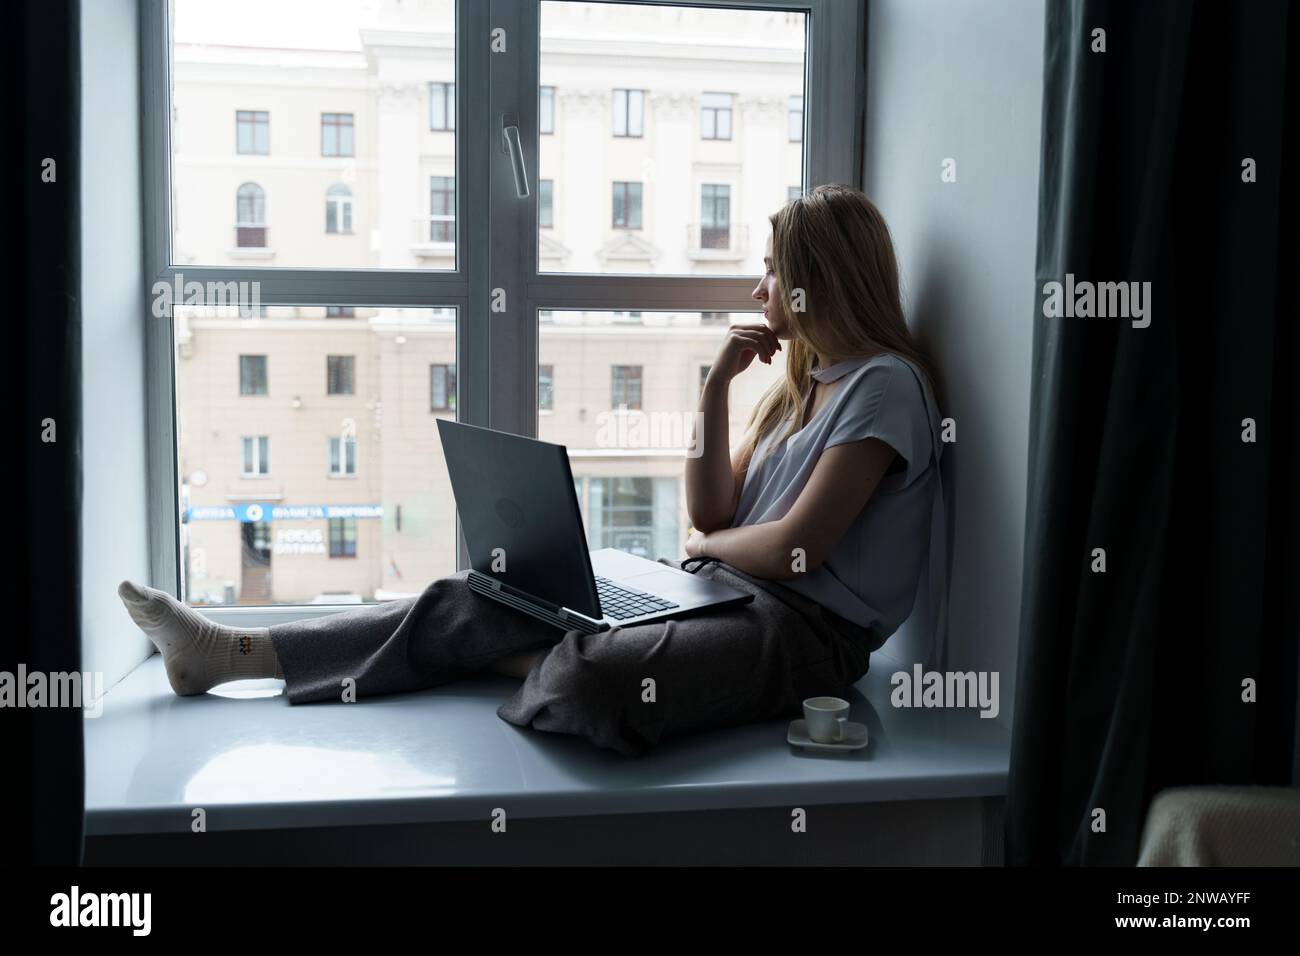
[826, 513]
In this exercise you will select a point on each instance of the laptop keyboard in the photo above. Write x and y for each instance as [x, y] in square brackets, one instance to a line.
[621, 602]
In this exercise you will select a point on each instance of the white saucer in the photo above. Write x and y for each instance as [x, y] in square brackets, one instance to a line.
[855, 737]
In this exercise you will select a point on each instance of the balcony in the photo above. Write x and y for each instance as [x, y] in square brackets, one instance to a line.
[433, 237]
[251, 242]
[716, 243]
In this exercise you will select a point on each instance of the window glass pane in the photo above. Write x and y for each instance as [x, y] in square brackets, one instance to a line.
[344, 402]
[696, 96]
[621, 392]
[358, 92]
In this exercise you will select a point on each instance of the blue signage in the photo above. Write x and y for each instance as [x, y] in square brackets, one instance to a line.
[257, 512]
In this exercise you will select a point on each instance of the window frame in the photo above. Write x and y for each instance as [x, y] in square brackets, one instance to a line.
[261, 456]
[627, 92]
[254, 123]
[449, 394]
[627, 194]
[501, 393]
[340, 204]
[345, 442]
[446, 91]
[729, 110]
[624, 377]
[265, 379]
[443, 191]
[337, 127]
[344, 525]
[335, 364]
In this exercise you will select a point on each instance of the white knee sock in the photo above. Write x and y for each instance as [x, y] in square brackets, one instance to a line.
[197, 653]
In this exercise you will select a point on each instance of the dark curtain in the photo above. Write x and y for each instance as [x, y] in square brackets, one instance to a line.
[43, 783]
[1131, 680]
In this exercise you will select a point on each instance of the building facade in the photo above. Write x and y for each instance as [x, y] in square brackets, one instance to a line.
[308, 452]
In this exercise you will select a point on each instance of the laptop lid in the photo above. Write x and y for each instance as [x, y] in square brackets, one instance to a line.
[519, 512]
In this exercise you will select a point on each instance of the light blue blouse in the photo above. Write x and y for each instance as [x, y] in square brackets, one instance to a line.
[898, 541]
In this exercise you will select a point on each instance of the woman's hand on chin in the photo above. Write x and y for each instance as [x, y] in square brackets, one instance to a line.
[744, 343]
[695, 544]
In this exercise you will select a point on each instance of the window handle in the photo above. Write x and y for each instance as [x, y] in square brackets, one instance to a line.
[510, 143]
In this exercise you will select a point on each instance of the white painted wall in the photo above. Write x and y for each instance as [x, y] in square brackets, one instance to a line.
[962, 79]
[114, 519]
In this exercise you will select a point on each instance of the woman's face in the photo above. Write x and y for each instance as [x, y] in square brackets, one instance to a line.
[766, 293]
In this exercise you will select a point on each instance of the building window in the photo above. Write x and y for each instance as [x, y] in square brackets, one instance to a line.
[625, 386]
[256, 456]
[442, 388]
[629, 112]
[336, 134]
[340, 312]
[627, 205]
[338, 209]
[715, 116]
[442, 208]
[715, 216]
[252, 375]
[442, 106]
[546, 110]
[253, 132]
[795, 119]
[704, 377]
[546, 388]
[339, 370]
[343, 537]
[545, 203]
[623, 515]
[250, 217]
[343, 457]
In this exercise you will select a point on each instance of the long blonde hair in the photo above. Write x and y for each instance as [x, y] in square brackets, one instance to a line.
[834, 245]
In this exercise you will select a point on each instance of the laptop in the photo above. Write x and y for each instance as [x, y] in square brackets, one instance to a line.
[528, 547]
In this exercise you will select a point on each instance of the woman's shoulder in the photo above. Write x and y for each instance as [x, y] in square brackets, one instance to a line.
[886, 398]
[886, 376]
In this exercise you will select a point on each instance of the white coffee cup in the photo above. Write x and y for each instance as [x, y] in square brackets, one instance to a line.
[827, 719]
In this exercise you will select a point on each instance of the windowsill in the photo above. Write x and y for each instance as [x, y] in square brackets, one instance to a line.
[252, 761]
[251, 252]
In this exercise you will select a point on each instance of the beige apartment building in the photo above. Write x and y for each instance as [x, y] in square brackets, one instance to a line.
[309, 456]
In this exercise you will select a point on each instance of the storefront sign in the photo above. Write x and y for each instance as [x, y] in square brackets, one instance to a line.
[256, 512]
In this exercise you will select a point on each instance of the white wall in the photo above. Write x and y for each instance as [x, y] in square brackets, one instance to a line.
[962, 79]
[114, 519]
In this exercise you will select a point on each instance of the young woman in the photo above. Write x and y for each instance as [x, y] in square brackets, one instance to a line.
[825, 514]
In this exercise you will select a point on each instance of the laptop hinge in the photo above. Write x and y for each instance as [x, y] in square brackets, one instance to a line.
[570, 615]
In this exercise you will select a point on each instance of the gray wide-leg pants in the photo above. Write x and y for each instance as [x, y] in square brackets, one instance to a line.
[713, 669]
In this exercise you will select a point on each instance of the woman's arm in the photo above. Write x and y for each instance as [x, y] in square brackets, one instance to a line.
[712, 477]
[843, 480]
